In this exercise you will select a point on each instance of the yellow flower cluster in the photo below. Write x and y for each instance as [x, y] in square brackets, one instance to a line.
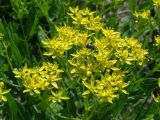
[66, 39]
[57, 97]
[131, 51]
[145, 14]
[105, 61]
[83, 63]
[96, 60]
[86, 18]
[106, 88]
[42, 78]
[156, 2]
[39, 78]
[3, 92]
[157, 40]
[111, 51]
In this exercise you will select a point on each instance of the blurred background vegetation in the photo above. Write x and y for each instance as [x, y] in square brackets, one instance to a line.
[25, 23]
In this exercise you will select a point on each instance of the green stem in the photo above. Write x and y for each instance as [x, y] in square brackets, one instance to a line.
[13, 85]
[67, 66]
[142, 113]
[91, 115]
[7, 56]
[25, 38]
[86, 104]
[60, 116]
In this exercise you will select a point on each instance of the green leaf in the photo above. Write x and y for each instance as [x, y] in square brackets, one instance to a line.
[42, 34]
[33, 27]
[1, 26]
[132, 5]
[4, 67]
[13, 41]
[13, 112]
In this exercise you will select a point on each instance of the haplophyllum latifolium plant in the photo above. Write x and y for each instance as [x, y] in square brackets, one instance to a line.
[86, 57]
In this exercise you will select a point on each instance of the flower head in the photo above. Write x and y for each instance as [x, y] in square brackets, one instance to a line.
[3, 92]
[157, 40]
[57, 97]
[39, 78]
[156, 2]
[86, 18]
[145, 14]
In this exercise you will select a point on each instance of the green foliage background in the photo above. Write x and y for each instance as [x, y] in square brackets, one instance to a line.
[25, 23]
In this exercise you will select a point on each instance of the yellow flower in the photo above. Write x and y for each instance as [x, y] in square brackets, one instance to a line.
[106, 89]
[90, 87]
[156, 2]
[67, 37]
[3, 92]
[145, 14]
[131, 51]
[86, 18]
[157, 40]
[82, 63]
[39, 78]
[57, 97]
